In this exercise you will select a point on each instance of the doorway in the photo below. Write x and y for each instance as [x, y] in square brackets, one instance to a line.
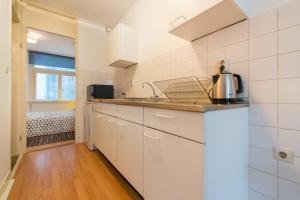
[50, 89]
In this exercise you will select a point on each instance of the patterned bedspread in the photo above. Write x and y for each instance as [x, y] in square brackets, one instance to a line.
[48, 123]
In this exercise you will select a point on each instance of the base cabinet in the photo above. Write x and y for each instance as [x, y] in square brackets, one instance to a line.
[203, 157]
[105, 136]
[173, 167]
[130, 152]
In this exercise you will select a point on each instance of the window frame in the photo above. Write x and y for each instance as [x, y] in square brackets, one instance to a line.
[33, 73]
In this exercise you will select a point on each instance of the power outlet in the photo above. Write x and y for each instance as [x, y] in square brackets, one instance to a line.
[283, 154]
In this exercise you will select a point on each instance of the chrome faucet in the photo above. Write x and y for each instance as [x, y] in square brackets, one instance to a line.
[155, 97]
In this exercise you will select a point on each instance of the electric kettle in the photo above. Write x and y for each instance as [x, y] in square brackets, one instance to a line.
[226, 86]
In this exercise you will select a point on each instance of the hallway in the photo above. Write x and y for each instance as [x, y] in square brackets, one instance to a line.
[69, 172]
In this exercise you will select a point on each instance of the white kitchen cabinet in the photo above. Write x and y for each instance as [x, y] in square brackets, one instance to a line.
[180, 11]
[173, 167]
[105, 136]
[130, 152]
[96, 135]
[192, 19]
[109, 139]
[122, 46]
[171, 154]
[188, 125]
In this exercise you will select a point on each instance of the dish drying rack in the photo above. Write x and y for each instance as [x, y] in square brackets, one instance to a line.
[186, 89]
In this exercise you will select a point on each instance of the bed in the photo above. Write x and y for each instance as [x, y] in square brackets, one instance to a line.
[50, 127]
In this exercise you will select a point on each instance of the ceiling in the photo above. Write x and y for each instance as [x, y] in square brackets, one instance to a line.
[107, 12]
[52, 43]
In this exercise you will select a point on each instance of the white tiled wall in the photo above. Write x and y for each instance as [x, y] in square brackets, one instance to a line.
[275, 99]
[265, 50]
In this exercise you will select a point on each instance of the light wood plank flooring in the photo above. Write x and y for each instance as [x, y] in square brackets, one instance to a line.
[69, 172]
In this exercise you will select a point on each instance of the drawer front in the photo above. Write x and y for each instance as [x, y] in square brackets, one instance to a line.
[131, 113]
[188, 125]
[106, 108]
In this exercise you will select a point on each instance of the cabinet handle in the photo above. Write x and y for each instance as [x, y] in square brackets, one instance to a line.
[180, 17]
[151, 137]
[164, 116]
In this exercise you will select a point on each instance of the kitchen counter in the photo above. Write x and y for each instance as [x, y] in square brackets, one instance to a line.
[165, 104]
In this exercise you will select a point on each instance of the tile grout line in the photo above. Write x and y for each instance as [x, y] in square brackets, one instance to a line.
[277, 113]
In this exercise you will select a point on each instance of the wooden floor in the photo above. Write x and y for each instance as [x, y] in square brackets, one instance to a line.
[69, 172]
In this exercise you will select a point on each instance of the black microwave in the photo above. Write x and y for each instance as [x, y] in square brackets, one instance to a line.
[100, 92]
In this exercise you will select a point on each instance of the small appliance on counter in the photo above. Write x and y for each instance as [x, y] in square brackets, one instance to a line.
[226, 86]
[100, 92]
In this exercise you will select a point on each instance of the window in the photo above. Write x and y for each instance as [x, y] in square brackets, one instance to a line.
[51, 84]
[68, 87]
[46, 86]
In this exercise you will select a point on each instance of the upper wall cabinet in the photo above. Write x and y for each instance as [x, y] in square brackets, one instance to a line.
[192, 19]
[122, 46]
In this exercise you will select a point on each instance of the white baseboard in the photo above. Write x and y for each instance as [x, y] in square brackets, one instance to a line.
[13, 171]
[9, 180]
[4, 184]
[7, 189]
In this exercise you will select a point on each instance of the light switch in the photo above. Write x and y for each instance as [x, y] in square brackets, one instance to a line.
[283, 154]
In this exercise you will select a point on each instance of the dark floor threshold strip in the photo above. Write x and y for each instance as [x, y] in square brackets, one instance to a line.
[49, 139]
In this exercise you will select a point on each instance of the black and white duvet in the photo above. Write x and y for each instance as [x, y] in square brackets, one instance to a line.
[49, 123]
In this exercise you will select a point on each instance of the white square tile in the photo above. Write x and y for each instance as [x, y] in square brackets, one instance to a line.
[216, 40]
[288, 15]
[257, 196]
[263, 160]
[237, 33]
[263, 91]
[214, 57]
[290, 140]
[288, 116]
[290, 171]
[263, 46]
[200, 61]
[264, 23]
[289, 40]
[288, 65]
[263, 69]
[288, 190]
[288, 91]
[241, 69]
[201, 73]
[263, 137]
[200, 45]
[263, 183]
[237, 52]
[263, 114]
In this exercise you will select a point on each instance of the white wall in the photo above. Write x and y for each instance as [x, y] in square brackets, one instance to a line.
[260, 6]
[91, 66]
[5, 88]
[151, 21]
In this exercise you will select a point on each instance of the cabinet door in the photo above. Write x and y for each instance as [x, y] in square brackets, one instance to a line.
[173, 167]
[130, 153]
[109, 138]
[180, 11]
[98, 128]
